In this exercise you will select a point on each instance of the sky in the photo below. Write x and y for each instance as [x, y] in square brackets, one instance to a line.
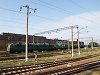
[51, 14]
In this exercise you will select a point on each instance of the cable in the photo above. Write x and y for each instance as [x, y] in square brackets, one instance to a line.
[6, 20]
[14, 26]
[60, 11]
[67, 11]
[83, 8]
[9, 10]
[25, 13]
[57, 30]
[11, 20]
[44, 17]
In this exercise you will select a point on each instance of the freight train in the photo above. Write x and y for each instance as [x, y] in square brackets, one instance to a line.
[19, 48]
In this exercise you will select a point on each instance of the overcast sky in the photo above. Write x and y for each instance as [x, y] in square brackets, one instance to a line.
[51, 14]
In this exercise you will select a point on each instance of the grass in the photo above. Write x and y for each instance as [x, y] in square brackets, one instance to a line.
[95, 71]
[66, 56]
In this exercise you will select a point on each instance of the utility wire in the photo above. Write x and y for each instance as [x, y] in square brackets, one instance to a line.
[44, 17]
[77, 4]
[14, 26]
[61, 9]
[10, 26]
[25, 13]
[15, 20]
[10, 20]
[9, 10]
[21, 22]
[69, 12]
[48, 6]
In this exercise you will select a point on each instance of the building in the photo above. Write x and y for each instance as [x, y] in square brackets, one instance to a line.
[75, 42]
[61, 42]
[8, 38]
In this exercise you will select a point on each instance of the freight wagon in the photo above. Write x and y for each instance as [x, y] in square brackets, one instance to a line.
[19, 48]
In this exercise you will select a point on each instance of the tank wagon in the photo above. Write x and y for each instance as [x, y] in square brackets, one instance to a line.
[19, 48]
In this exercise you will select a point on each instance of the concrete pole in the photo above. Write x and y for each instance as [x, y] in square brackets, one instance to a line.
[87, 44]
[78, 42]
[92, 43]
[27, 14]
[72, 41]
[68, 45]
[37, 39]
[33, 39]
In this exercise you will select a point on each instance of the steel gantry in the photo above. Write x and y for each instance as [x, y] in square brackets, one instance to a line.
[60, 29]
[56, 30]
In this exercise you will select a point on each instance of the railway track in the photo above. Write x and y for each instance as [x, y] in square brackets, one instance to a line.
[33, 56]
[72, 70]
[32, 68]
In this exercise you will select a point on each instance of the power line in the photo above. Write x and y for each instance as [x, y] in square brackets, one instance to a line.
[44, 18]
[25, 13]
[77, 4]
[27, 25]
[14, 21]
[48, 6]
[56, 30]
[60, 29]
[61, 9]
[66, 11]
[9, 10]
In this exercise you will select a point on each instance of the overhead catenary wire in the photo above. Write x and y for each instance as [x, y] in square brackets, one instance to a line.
[60, 29]
[57, 30]
[58, 8]
[46, 17]
[49, 6]
[49, 18]
[9, 10]
[12, 20]
[80, 30]
[38, 16]
[77, 4]
[67, 11]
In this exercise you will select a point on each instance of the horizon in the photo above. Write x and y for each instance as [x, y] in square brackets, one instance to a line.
[82, 13]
